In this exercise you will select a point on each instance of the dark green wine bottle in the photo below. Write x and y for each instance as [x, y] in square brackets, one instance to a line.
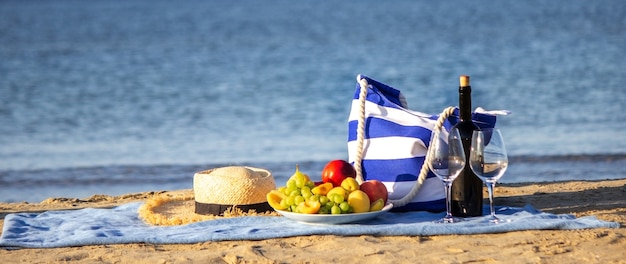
[467, 188]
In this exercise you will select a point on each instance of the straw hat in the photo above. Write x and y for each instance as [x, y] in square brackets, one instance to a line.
[219, 189]
[221, 192]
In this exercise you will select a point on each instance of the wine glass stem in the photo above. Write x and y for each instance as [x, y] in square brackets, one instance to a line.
[448, 185]
[490, 186]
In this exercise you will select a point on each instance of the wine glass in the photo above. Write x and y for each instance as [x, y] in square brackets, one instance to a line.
[446, 159]
[488, 160]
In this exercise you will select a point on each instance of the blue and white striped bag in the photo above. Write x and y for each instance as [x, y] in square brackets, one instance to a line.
[393, 144]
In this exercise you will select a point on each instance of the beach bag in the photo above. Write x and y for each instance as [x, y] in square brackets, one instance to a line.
[388, 142]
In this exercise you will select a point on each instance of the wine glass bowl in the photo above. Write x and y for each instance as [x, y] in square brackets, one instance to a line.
[446, 160]
[489, 160]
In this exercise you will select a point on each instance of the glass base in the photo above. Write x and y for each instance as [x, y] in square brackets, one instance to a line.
[449, 220]
[496, 220]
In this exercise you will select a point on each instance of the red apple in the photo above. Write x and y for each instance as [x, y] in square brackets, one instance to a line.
[375, 190]
[336, 171]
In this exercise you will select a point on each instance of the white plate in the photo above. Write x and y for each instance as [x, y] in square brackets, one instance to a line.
[332, 219]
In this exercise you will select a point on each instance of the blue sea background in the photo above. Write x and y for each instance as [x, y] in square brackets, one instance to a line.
[112, 97]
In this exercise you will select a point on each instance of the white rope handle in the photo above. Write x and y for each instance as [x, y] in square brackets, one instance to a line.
[360, 130]
[361, 138]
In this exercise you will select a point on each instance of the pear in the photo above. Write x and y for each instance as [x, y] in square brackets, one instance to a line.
[299, 178]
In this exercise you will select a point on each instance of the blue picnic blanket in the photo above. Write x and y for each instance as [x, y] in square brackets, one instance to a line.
[122, 224]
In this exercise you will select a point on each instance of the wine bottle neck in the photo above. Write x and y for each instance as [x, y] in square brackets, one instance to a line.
[465, 103]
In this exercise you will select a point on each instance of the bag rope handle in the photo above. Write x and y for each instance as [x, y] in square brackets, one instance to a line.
[361, 138]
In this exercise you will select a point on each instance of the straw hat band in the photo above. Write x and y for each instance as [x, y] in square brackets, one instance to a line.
[217, 209]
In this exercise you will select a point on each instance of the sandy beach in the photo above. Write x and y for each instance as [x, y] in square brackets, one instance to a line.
[604, 199]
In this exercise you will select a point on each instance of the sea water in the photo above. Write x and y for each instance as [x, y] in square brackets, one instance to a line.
[111, 97]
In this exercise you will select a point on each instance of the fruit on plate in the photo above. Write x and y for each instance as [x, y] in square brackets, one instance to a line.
[301, 195]
[336, 171]
[309, 207]
[322, 189]
[359, 201]
[299, 178]
[350, 184]
[375, 190]
[377, 205]
[274, 198]
[338, 190]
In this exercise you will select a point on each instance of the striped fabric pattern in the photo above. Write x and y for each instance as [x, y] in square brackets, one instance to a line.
[395, 145]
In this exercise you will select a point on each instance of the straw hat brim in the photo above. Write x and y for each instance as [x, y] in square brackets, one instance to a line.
[221, 192]
[177, 208]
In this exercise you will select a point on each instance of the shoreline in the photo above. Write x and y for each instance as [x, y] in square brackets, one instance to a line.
[604, 199]
[36, 185]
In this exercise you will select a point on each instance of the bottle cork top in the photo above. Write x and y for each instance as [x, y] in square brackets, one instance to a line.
[464, 80]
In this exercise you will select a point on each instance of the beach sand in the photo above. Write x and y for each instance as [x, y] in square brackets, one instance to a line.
[604, 199]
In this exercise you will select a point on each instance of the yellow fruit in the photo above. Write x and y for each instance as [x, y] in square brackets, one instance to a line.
[309, 207]
[377, 205]
[322, 189]
[359, 201]
[338, 190]
[274, 197]
[350, 184]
